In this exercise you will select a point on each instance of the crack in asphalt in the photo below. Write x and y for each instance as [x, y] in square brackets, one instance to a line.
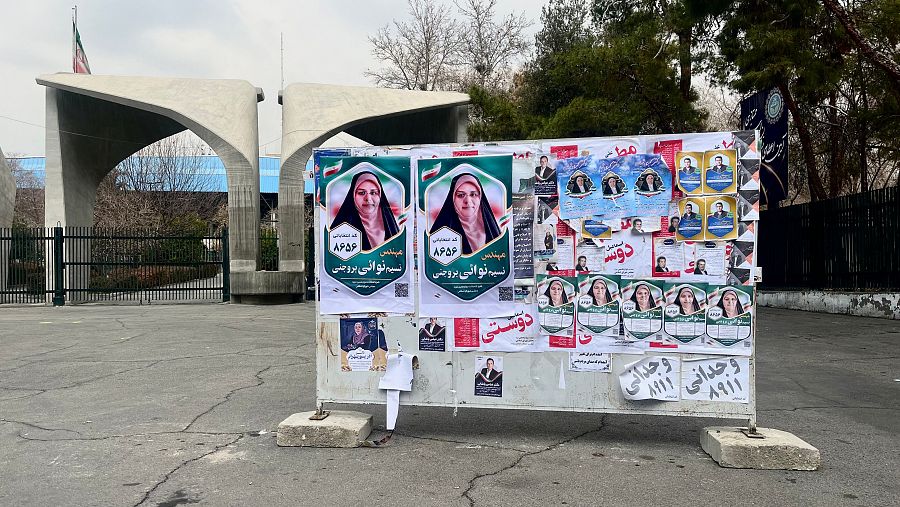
[835, 407]
[182, 465]
[435, 439]
[525, 454]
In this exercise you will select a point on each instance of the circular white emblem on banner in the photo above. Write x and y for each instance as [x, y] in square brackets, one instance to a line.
[446, 245]
[345, 241]
[774, 106]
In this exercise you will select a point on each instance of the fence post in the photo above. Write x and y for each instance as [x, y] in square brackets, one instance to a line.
[226, 268]
[59, 290]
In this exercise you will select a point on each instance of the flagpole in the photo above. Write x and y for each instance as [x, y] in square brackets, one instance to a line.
[74, 31]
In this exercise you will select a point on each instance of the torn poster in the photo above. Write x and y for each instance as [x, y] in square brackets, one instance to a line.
[718, 379]
[652, 378]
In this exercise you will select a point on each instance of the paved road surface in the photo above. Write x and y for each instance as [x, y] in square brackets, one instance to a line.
[171, 405]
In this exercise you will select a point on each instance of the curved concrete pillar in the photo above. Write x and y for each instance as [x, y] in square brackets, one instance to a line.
[312, 113]
[7, 208]
[94, 122]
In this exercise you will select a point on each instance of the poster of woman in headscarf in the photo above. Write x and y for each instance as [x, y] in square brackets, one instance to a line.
[685, 316]
[365, 240]
[363, 345]
[729, 317]
[465, 237]
[556, 307]
[652, 184]
[598, 303]
[642, 302]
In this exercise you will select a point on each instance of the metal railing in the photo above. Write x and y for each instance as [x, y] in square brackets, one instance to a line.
[86, 264]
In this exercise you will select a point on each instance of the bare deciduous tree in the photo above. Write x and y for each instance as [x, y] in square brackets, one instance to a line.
[490, 47]
[29, 207]
[436, 50]
[158, 186]
[420, 54]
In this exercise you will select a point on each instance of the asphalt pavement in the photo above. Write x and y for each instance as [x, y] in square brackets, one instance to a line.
[167, 405]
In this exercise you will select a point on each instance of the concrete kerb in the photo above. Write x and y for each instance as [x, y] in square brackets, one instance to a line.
[777, 450]
[341, 428]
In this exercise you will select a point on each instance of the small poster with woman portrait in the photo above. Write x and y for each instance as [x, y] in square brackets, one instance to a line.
[718, 172]
[685, 314]
[366, 234]
[579, 193]
[691, 211]
[653, 185]
[545, 175]
[465, 236]
[721, 219]
[363, 345]
[556, 309]
[598, 304]
[729, 318]
[489, 376]
[642, 302]
[689, 173]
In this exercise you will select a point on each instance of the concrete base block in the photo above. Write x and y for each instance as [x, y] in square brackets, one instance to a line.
[779, 450]
[341, 428]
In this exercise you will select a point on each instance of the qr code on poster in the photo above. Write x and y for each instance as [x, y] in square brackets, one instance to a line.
[401, 290]
[506, 294]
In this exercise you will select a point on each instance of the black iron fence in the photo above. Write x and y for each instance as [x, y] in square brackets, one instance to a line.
[85, 264]
[847, 243]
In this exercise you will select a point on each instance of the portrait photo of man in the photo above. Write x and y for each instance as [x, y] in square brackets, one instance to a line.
[689, 213]
[700, 267]
[719, 211]
[544, 172]
[661, 265]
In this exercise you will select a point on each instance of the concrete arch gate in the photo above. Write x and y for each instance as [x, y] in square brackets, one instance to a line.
[94, 122]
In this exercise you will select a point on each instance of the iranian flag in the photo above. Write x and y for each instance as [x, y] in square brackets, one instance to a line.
[80, 63]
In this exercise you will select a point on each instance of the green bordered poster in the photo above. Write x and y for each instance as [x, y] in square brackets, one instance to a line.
[465, 236]
[365, 228]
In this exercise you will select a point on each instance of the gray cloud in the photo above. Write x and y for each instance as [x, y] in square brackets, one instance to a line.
[325, 42]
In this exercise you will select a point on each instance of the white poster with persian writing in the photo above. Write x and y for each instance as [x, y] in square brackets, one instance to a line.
[589, 361]
[629, 255]
[651, 378]
[724, 379]
[517, 333]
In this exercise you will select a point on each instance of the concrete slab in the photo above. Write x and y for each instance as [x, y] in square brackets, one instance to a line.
[779, 450]
[342, 428]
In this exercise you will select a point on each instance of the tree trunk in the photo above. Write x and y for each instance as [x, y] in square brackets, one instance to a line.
[813, 178]
[863, 133]
[880, 60]
[684, 62]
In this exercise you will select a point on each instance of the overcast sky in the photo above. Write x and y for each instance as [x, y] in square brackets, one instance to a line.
[325, 42]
